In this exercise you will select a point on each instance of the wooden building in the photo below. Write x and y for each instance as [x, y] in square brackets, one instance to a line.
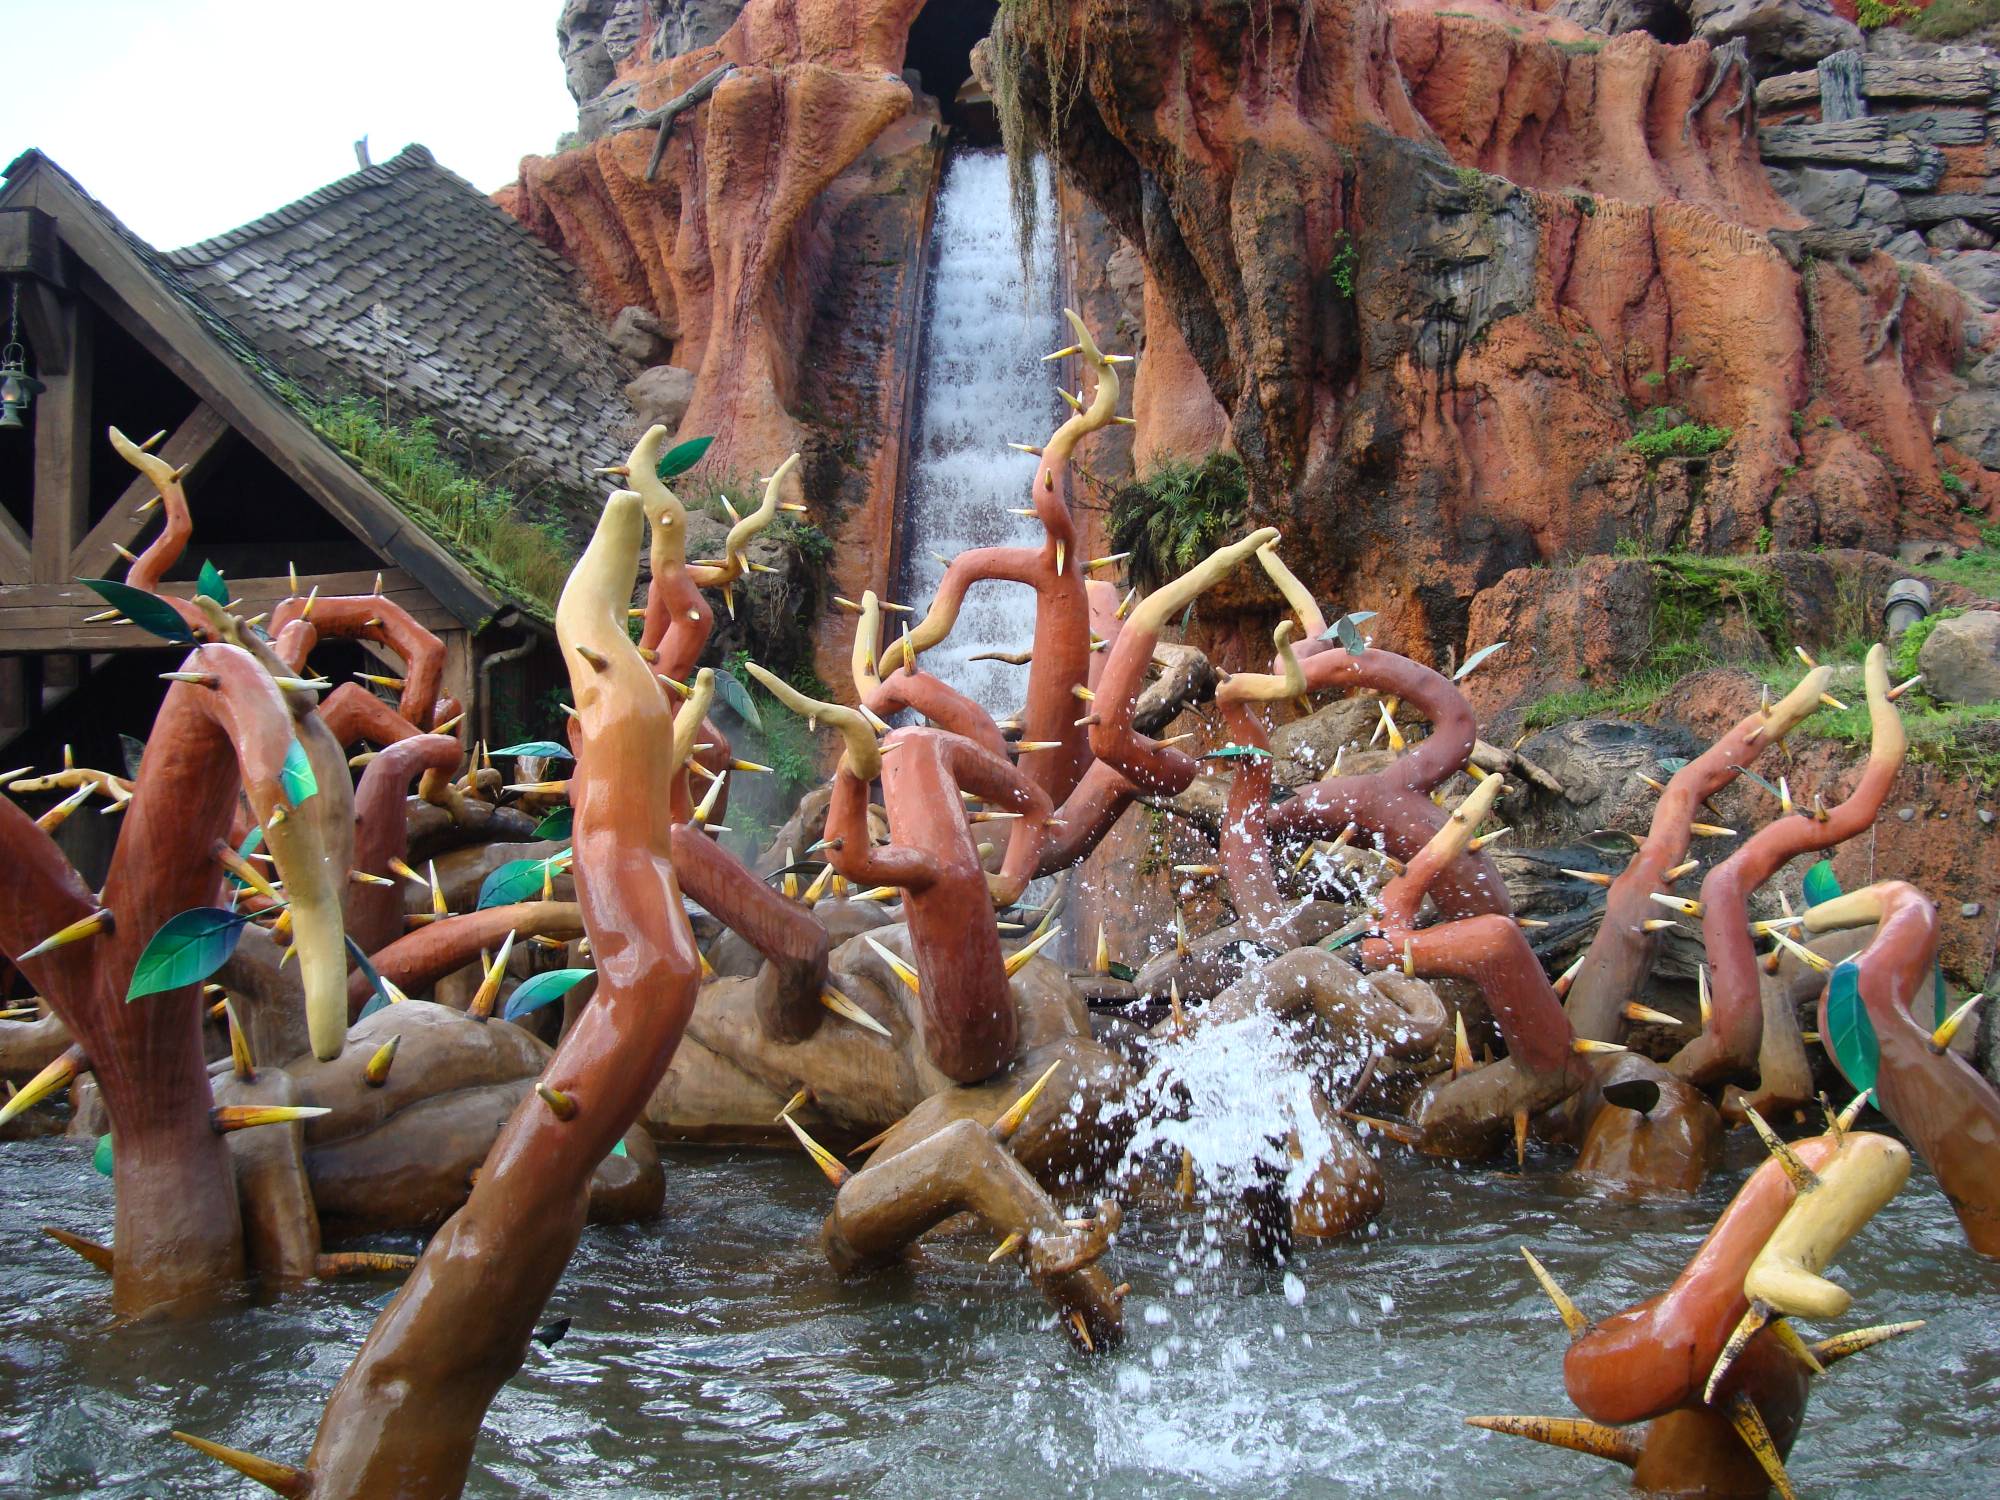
[400, 284]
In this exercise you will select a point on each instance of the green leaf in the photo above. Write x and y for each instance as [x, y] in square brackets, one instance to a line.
[547, 749]
[1940, 1005]
[1475, 659]
[250, 841]
[1821, 884]
[518, 880]
[1746, 771]
[682, 457]
[101, 1157]
[1123, 971]
[147, 611]
[186, 950]
[1238, 752]
[1850, 1034]
[296, 775]
[557, 824]
[619, 1149]
[542, 989]
[210, 584]
[729, 688]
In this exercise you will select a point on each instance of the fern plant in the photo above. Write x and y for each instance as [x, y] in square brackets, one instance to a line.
[1178, 514]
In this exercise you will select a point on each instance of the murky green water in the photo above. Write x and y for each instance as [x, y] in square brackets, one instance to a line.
[713, 1353]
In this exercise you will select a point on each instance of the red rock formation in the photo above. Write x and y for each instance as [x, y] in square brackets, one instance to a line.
[1466, 410]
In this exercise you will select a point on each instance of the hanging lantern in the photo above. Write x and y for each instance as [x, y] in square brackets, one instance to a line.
[18, 388]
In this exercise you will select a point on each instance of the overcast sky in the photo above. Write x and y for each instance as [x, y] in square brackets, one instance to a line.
[189, 117]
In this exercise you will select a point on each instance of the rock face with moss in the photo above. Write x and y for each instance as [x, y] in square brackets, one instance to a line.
[1481, 290]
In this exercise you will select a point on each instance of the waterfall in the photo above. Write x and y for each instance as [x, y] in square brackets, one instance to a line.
[981, 386]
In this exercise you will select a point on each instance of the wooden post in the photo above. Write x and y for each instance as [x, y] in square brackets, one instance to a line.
[62, 454]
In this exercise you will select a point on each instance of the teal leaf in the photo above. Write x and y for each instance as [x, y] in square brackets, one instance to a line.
[1238, 752]
[547, 749]
[186, 950]
[250, 841]
[101, 1157]
[147, 611]
[729, 688]
[557, 824]
[380, 995]
[1123, 971]
[1347, 630]
[1475, 659]
[210, 585]
[682, 457]
[542, 989]
[1746, 771]
[1821, 886]
[1850, 1034]
[519, 880]
[296, 775]
[1940, 1006]
[1673, 764]
[619, 1149]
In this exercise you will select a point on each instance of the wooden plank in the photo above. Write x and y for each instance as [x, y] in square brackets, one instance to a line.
[50, 617]
[61, 415]
[193, 443]
[16, 562]
[1788, 90]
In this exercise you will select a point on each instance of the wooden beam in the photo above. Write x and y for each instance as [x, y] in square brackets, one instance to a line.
[16, 562]
[50, 617]
[193, 443]
[61, 415]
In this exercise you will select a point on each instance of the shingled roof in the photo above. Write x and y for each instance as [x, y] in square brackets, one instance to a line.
[403, 281]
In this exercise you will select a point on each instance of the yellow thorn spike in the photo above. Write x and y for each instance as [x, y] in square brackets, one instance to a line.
[228, 1117]
[280, 1479]
[1101, 961]
[84, 927]
[438, 908]
[836, 1173]
[1829, 1351]
[362, 877]
[57, 1075]
[561, 1105]
[819, 884]
[56, 816]
[1830, 701]
[1592, 877]
[1573, 1433]
[1568, 976]
[845, 1008]
[1634, 1011]
[880, 893]
[1657, 924]
[793, 1103]
[1396, 740]
[98, 1255]
[240, 1060]
[1658, 786]
[1008, 1123]
[790, 883]
[1681, 869]
[403, 869]
[1948, 1028]
[1680, 904]
[1584, 1046]
[360, 1262]
[1521, 1139]
[896, 965]
[481, 1004]
[1711, 831]
[1706, 1008]
[1018, 960]
[1798, 1348]
[1573, 1320]
[1007, 1247]
[1844, 1121]
[375, 1072]
[1749, 1425]
[1803, 1177]
[1461, 1047]
[1802, 953]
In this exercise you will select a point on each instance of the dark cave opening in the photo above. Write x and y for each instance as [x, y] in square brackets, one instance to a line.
[940, 50]
[1663, 21]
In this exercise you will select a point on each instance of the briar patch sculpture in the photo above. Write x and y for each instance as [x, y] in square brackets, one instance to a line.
[1712, 1367]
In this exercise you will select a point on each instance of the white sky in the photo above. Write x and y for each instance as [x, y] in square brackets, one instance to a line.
[189, 117]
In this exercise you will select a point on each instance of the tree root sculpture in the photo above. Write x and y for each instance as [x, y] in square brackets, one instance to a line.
[404, 1418]
[1935, 1097]
[1711, 1366]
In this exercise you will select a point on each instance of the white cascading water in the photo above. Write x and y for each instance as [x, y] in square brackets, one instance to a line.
[982, 386]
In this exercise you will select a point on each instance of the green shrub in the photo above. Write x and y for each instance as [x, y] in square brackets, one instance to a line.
[1178, 514]
[526, 560]
[1345, 258]
[1656, 439]
[1911, 642]
[1977, 569]
[1953, 485]
[1873, 15]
